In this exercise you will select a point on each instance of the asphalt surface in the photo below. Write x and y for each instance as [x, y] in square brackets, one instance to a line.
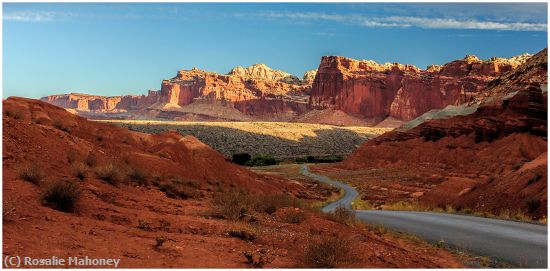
[516, 243]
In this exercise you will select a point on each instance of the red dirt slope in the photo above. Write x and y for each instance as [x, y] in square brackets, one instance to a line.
[126, 220]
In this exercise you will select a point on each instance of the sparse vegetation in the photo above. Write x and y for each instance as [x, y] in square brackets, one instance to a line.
[532, 205]
[138, 177]
[144, 225]
[32, 174]
[294, 216]
[178, 188]
[534, 179]
[13, 113]
[79, 171]
[241, 158]
[160, 240]
[237, 204]
[342, 215]
[243, 232]
[62, 196]
[329, 252]
[61, 125]
[259, 258]
[110, 174]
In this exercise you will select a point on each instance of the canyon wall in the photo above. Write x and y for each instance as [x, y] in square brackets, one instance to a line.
[257, 91]
[375, 91]
[357, 89]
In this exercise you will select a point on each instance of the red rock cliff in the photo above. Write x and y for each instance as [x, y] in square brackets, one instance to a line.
[366, 89]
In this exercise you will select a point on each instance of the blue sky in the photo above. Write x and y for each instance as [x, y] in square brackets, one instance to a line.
[113, 49]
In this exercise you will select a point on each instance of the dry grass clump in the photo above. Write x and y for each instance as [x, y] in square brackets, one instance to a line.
[232, 205]
[138, 177]
[110, 173]
[243, 231]
[13, 113]
[62, 196]
[79, 171]
[294, 216]
[32, 174]
[342, 215]
[72, 156]
[259, 257]
[61, 125]
[236, 205]
[329, 252]
[178, 188]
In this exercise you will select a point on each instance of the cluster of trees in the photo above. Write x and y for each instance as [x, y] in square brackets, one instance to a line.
[245, 159]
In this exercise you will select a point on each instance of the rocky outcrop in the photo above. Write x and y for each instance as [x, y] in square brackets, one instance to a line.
[263, 72]
[309, 76]
[257, 91]
[366, 89]
[489, 145]
[94, 103]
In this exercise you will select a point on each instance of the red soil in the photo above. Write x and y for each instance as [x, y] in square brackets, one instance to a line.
[123, 221]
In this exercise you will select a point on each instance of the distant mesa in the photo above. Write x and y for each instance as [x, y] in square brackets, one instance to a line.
[361, 89]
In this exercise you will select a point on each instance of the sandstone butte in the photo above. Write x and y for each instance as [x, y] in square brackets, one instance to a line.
[362, 89]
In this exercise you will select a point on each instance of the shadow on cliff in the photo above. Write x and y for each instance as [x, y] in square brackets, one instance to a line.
[325, 142]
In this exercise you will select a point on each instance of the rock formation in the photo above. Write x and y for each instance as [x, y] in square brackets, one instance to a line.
[374, 91]
[360, 90]
[257, 91]
[499, 147]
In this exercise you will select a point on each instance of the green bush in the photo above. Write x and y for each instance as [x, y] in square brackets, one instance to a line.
[241, 158]
[261, 160]
[62, 196]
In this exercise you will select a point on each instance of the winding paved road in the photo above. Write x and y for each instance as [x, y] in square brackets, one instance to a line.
[520, 244]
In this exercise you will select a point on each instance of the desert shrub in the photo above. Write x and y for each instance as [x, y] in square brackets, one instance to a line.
[110, 174]
[91, 159]
[310, 159]
[13, 113]
[271, 203]
[329, 159]
[259, 258]
[243, 232]
[79, 171]
[534, 179]
[177, 188]
[294, 216]
[329, 252]
[190, 183]
[144, 225]
[138, 177]
[237, 204]
[160, 240]
[232, 205]
[532, 205]
[241, 158]
[261, 160]
[32, 174]
[59, 124]
[342, 215]
[62, 196]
